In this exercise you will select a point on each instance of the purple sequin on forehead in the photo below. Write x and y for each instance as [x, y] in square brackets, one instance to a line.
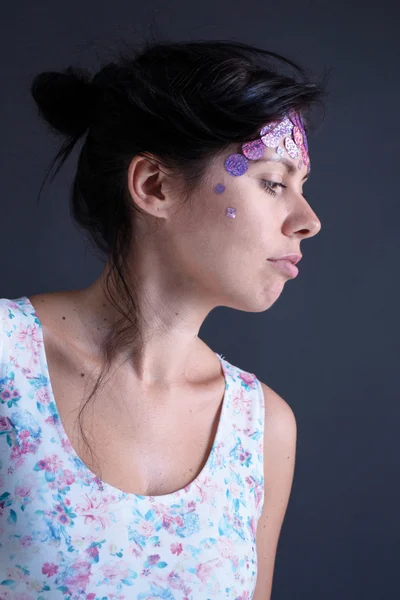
[285, 136]
[236, 164]
[253, 150]
[297, 120]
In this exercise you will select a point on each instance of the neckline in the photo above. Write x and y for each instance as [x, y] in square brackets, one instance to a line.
[103, 485]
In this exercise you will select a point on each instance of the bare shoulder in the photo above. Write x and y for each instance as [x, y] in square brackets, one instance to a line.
[60, 314]
[280, 438]
[280, 421]
[49, 304]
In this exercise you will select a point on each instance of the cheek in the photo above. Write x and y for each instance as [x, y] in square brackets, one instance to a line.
[232, 217]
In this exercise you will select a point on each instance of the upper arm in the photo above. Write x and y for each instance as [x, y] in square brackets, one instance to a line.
[280, 436]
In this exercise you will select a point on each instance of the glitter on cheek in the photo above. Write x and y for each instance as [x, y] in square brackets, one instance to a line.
[231, 212]
[219, 188]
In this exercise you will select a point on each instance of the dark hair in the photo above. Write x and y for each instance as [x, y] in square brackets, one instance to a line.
[181, 103]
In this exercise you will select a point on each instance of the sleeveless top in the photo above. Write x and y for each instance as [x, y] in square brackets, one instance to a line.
[65, 534]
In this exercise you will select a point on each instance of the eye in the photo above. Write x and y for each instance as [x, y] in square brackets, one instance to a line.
[271, 186]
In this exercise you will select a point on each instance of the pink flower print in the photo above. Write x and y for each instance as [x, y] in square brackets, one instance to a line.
[77, 576]
[260, 446]
[176, 582]
[94, 511]
[176, 548]
[259, 495]
[91, 596]
[248, 378]
[235, 489]
[32, 446]
[52, 420]
[66, 444]
[134, 551]
[30, 335]
[244, 456]
[153, 559]
[18, 452]
[93, 552]
[23, 491]
[5, 424]
[108, 499]
[166, 521]
[43, 464]
[43, 395]
[237, 522]
[49, 569]
[26, 541]
[115, 570]
[147, 528]
[54, 463]
[226, 547]
[17, 455]
[240, 400]
[24, 434]
[63, 519]
[253, 526]
[205, 570]
[9, 394]
[67, 478]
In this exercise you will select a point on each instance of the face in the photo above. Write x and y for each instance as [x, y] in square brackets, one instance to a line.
[224, 260]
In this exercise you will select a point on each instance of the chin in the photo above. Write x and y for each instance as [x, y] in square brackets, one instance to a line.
[256, 303]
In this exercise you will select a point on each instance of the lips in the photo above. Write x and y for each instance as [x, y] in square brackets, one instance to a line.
[293, 258]
[286, 266]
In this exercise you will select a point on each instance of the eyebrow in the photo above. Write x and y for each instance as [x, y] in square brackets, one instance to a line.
[280, 159]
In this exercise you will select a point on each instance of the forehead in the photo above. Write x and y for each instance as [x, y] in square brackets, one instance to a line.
[289, 165]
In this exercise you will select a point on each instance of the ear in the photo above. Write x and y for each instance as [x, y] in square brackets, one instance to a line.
[148, 185]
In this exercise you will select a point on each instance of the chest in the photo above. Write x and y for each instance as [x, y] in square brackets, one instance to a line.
[150, 444]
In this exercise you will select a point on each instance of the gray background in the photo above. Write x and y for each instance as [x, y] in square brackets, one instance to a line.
[330, 344]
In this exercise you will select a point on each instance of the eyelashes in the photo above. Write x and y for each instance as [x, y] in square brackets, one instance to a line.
[271, 187]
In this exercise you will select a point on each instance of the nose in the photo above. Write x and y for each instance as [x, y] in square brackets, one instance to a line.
[311, 225]
[313, 228]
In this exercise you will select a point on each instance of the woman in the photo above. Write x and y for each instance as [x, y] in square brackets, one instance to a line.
[136, 462]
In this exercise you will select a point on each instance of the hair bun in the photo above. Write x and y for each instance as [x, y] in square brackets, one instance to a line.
[65, 99]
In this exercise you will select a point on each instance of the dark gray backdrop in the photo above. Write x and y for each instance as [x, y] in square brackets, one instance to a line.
[330, 345]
